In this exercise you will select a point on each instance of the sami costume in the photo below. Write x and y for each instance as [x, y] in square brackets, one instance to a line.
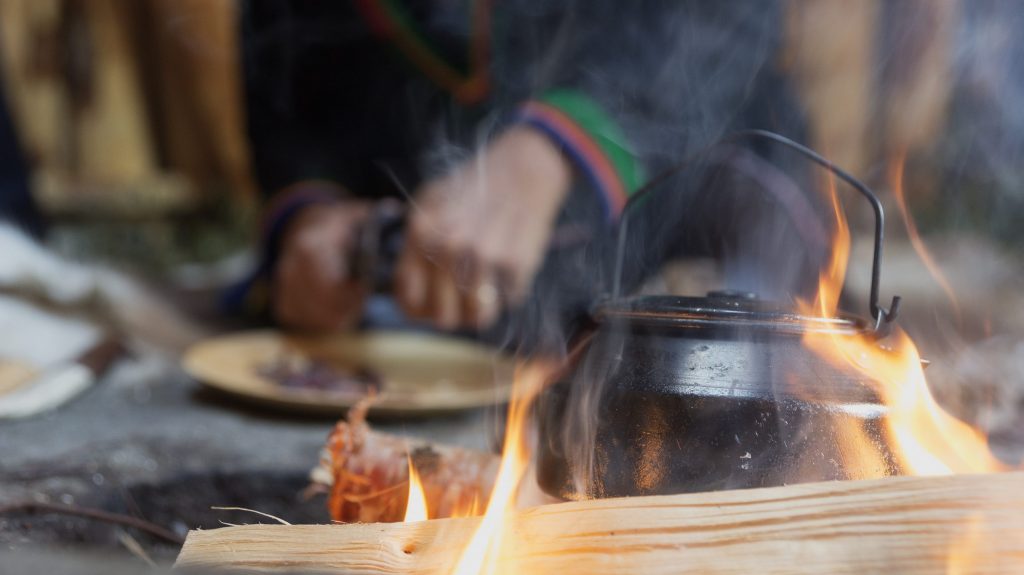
[370, 97]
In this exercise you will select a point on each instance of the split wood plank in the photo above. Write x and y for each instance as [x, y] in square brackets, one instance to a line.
[956, 524]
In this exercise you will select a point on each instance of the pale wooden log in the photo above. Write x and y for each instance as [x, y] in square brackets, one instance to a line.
[195, 72]
[958, 524]
[30, 65]
[829, 50]
[111, 129]
[918, 81]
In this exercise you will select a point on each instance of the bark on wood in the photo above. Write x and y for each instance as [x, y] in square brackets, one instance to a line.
[972, 524]
[366, 474]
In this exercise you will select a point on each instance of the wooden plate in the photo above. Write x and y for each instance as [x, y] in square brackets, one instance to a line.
[420, 373]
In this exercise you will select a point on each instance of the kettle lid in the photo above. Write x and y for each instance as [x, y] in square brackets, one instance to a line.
[721, 309]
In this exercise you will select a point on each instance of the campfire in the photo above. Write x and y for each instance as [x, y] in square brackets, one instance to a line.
[480, 288]
[414, 507]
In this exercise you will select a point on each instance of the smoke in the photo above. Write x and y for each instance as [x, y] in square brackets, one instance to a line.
[947, 89]
[966, 193]
[988, 65]
[760, 217]
[677, 77]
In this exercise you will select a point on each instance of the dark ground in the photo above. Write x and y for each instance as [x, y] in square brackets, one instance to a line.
[149, 442]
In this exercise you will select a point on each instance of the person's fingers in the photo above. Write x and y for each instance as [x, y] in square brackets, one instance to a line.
[479, 234]
[292, 309]
[342, 308]
[287, 300]
[312, 289]
[466, 273]
[431, 286]
[487, 300]
[506, 269]
[414, 272]
[411, 281]
[304, 300]
[445, 305]
[469, 278]
[282, 304]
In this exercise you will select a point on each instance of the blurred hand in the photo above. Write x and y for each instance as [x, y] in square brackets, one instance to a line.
[312, 287]
[478, 235]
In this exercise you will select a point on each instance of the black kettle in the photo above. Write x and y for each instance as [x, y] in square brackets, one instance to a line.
[668, 394]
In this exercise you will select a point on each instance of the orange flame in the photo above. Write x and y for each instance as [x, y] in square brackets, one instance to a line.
[833, 274]
[469, 508]
[416, 507]
[896, 171]
[925, 438]
[480, 555]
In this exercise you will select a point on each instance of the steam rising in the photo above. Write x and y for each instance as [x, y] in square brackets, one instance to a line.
[676, 79]
[767, 245]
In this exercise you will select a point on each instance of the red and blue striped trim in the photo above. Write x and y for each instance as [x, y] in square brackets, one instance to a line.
[251, 294]
[582, 149]
[289, 200]
[389, 20]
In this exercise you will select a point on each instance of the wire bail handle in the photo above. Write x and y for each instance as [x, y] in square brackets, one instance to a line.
[883, 317]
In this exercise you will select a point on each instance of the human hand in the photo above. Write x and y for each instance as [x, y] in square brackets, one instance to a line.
[479, 234]
[313, 290]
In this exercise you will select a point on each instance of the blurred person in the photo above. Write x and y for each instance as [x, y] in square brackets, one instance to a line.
[16, 204]
[516, 130]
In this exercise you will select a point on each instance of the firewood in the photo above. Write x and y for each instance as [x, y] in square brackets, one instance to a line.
[366, 474]
[900, 525]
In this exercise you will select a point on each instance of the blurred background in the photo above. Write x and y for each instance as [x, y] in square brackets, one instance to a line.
[125, 122]
[129, 124]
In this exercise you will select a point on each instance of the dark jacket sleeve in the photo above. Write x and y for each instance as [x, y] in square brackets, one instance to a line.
[628, 90]
[329, 113]
[326, 100]
[16, 203]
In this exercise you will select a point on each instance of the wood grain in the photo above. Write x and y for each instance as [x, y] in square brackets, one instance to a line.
[957, 524]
